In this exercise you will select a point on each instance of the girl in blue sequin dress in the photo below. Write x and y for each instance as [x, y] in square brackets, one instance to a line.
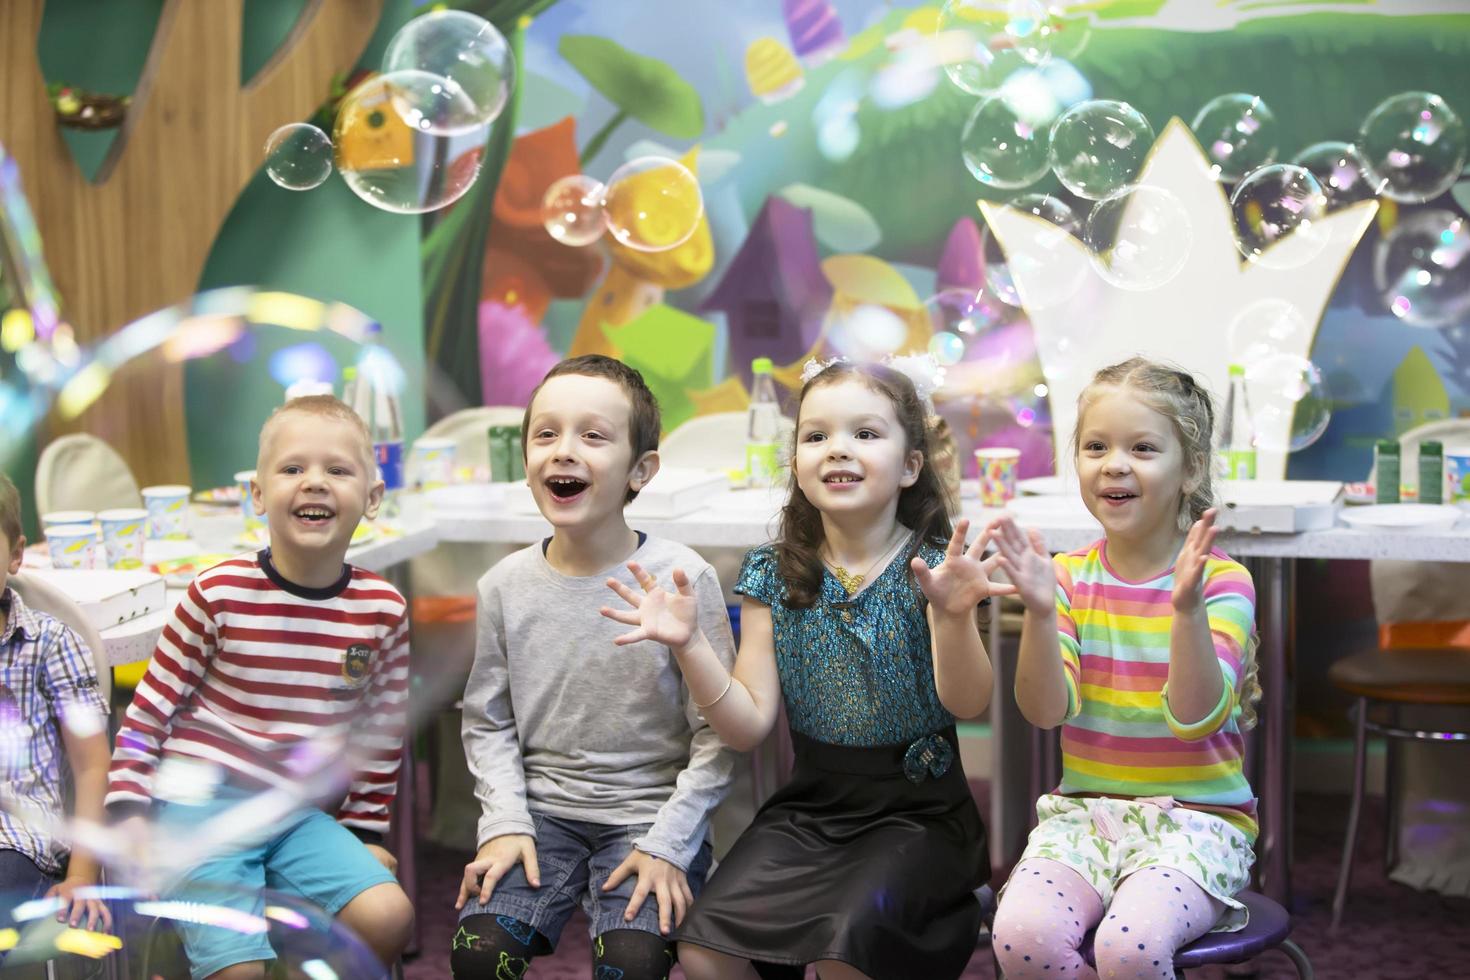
[863, 619]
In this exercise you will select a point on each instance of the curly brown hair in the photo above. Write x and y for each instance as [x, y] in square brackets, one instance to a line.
[924, 506]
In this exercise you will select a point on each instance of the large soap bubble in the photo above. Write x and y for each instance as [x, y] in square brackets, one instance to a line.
[1288, 402]
[1238, 132]
[1340, 169]
[298, 156]
[390, 144]
[1098, 146]
[999, 38]
[468, 53]
[1274, 203]
[1266, 327]
[1045, 262]
[1414, 145]
[1140, 237]
[571, 210]
[1422, 269]
[1001, 149]
[653, 204]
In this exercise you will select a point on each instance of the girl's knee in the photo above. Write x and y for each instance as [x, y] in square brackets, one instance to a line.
[702, 963]
[383, 917]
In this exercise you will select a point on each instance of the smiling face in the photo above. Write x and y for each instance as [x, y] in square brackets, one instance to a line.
[579, 451]
[851, 453]
[314, 482]
[1132, 466]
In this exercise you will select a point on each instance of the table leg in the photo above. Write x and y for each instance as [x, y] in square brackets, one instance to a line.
[1273, 596]
[404, 829]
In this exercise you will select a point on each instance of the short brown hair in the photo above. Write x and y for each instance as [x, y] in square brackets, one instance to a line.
[643, 416]
[324, 406]
[9, 510]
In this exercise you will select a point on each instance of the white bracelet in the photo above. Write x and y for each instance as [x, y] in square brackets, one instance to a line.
[728, 681]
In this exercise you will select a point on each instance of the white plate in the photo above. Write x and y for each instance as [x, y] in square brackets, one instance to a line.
[1066, 508]
[466, 498]
[1046, 486]
[1402, 517]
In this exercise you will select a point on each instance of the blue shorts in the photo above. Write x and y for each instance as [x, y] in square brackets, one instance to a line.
[310, 856]
[575, 859]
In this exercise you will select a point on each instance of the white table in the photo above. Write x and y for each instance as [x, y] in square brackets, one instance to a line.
[218, 533]
[747, 518]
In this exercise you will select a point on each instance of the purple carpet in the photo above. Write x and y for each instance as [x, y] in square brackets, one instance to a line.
[1390, 932]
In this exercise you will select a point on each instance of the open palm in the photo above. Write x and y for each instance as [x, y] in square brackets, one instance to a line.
[1189, 567]
[1026, 562]
[959, 582]
[670, 618]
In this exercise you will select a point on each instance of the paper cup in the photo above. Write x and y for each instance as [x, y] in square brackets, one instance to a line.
[1457, 475]
[433, 463]
[123, 533]
[67, 517]
[72, 545]
[997, 471]
[168, 511]
[247, 505]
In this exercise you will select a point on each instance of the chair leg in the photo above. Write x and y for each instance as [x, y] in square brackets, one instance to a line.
[1298, 959]
[1391, 750]
[1349, 844]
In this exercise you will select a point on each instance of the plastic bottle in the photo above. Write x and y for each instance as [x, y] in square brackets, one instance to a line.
[1431, 472]
[1237, 452]
[763, 432]
[349, 384]
[1386, 471]
[374, 398]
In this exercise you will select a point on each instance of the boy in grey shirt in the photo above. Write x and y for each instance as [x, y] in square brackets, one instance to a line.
[590, 759]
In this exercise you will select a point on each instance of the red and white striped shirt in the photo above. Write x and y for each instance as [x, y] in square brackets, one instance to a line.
[260, 676]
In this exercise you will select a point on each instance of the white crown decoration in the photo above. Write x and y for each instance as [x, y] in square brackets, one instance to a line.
[1080, 328]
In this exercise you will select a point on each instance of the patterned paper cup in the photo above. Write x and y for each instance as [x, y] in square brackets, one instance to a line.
[168, 511]
[997, 470]
[247, 506]
[433, 463]
[68, 517]
[123, 533]
[72, 545]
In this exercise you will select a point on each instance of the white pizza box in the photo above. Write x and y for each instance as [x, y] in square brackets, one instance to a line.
[1280, 506]
[673, 492]
[108, 596]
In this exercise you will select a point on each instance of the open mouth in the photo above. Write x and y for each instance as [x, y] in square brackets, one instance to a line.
[314, 514]
[1118, 496]
[565, 487]
[839, 479]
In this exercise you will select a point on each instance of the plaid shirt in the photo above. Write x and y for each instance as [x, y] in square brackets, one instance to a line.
[44, 670]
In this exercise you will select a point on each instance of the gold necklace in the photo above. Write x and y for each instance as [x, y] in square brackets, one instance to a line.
[852, 583]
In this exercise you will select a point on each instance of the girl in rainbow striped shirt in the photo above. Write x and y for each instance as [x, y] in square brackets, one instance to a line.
[1141, 647]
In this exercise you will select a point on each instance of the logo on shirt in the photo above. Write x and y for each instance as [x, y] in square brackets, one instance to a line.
[356, 661]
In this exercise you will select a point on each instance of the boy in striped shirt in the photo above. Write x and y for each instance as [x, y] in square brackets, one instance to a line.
[272, 663]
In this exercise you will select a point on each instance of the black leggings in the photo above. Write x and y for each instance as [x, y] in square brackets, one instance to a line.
[498, 947]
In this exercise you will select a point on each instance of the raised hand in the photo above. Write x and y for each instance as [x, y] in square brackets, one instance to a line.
[1189, 567]
[958, 583]
[670, 618]
[1026, 562]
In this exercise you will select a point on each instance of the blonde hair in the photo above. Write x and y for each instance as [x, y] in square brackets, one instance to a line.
[323, 406]
[1175, 395]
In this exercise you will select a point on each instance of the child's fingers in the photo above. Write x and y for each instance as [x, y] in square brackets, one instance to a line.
[640, 895]
[665, 906]
[647, 581]
[681, 582]
[637, 636]
[628, 617]
[628, 595]
[1003, 588]
[1038, 544]
[957, 539]
[681, 905]
[923, 574]
[620, 873]
[528, 861]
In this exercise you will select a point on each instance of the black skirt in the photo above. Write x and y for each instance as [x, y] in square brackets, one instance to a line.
[852, 861]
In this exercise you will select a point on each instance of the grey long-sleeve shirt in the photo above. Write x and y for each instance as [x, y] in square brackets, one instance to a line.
[559, 720]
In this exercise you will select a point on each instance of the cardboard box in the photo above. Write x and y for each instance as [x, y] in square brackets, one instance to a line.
[108, 596]
[673, 492]
[1280, 506]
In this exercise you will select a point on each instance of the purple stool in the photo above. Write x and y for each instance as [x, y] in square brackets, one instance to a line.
[1269, 928]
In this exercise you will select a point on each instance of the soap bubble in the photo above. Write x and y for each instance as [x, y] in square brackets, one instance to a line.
[1422, 268]
[1340, 169]
[1140, 237]
[867, 332]
[1288, 402]
[947, 348]
[653, 204]
[1099, 146]
[1414, 145]
[1273, 203]
[967, 313]
[1264, 328]
[389, 149]
[1045, 262]
[572, 211]
[1238, 133]
[999, 148]
[298, 156]
[468, 53]
[997, 41]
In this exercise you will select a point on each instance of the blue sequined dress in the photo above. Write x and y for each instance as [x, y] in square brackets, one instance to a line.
[872, 852]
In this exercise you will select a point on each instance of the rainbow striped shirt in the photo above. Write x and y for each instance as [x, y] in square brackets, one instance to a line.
[1120, 737]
